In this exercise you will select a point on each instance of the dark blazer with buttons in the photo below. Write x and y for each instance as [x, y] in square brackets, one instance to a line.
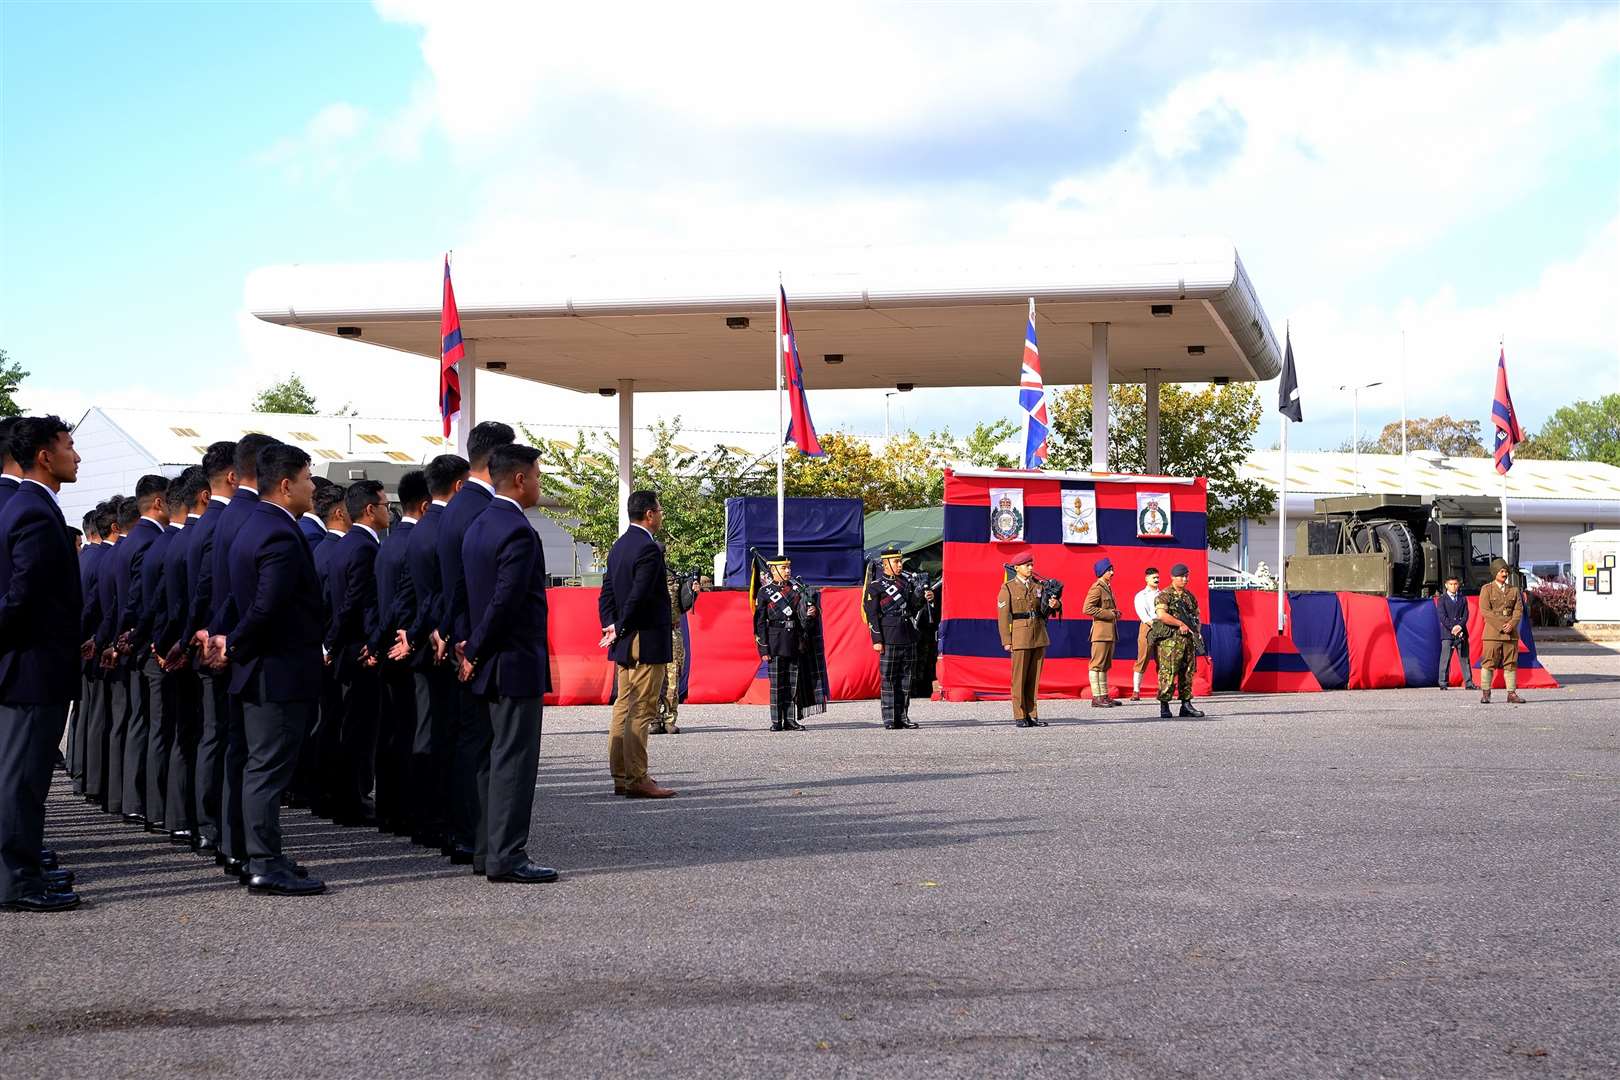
[635, 599]
[107, 596]
[124, 613]
[90, 563]
[154, 617]
[506, 589]
[1453, 611]
[278, 627]
[176, 589]
[40, 602]
[396, 597]
[8, 488]
[231, 520]
[200, 567]
[472, 500]
[352, 585]
[422, 558]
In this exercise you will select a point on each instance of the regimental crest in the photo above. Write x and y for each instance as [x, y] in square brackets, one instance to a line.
[1006, 520]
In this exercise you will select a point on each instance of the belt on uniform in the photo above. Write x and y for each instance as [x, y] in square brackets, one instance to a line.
[1023, 615]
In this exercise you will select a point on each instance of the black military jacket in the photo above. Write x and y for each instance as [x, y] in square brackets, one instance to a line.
[780, 618]
[891, 610]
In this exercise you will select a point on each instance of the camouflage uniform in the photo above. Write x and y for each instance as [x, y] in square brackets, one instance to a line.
[1175, 652]
[669, 699]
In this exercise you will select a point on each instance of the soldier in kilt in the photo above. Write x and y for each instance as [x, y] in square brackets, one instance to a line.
[784, 617]
[891, 607]
[1177, 640]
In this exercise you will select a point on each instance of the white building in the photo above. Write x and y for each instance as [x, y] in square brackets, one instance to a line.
[1549, 501]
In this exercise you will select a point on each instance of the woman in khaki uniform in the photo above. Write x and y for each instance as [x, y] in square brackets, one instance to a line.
[1023, 634]
[1501, 606]
[1103, 612]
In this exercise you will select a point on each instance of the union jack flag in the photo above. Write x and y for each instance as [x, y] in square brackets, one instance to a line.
[1508, 434]
[801, 432]
[1032, 396]
[450, 354]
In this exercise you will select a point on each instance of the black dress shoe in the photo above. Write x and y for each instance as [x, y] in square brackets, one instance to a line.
[776, 727]
[1188, 710]
[525, 874]
[233, 867]
[427, 839]
[183, 836]
[891, 727]
[60, 879]
[908, 723]
[48, 859]
[282, 882]
[461, 856]
[792, 725]
[43, 903]
[134, 819]
[205, 847]
[1036, 721]
[1023, 721]
[155, 827]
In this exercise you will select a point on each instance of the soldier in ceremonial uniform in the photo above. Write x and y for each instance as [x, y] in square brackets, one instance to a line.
[892, 605]
[1103, 612]
[1501, 606]
[1023, 634]
[783, 613]
[1177, 640]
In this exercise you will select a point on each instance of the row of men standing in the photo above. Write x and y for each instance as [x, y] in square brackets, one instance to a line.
[250, 651]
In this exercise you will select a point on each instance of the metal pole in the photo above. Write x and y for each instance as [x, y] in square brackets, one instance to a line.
[627, 449]
[1355, 435]
[1505, 558]
[1282, 527]
[1403, 399]
[1151, 392]
[1099, 397]
[781, 433]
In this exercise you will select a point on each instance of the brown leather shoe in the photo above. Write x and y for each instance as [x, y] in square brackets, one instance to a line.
[1484, 697]
[1099, 703]
[647, 788]
[1514, 698]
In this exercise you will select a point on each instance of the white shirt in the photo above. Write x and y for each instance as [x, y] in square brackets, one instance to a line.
[485, 484]
[315, 518]
[249, 487]
[45, 488]
[439, 502]
[369, 529]
[508, 498]
[406, 519]
[221, 499]
[643, 528]
[1144, 604]
[283, 509]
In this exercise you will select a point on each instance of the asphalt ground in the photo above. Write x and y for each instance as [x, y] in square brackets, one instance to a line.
[1392, 883]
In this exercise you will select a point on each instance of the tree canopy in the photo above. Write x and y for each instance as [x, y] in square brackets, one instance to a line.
[1453, 438]
[290, 395]
[1580, 431]
[11, 377]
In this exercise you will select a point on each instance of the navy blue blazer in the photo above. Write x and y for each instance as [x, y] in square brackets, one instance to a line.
[107, 595]
[90, 560]
[120, 589]
[40, 602]
[352, 585]
[1453, 611]
[506, 587]
[472, 500]
[635, 599]
[277, 629]
[154, 618]
[200, 566]
[396, 596]
[171, 629]
[235, 515]
[312, 529]
[8, 488]
[422, 557]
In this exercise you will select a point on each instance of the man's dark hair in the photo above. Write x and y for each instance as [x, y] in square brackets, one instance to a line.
[129, 512]
[75, 532]
[641, 504]
[185, 488]
[507, 461]
[413, 488]
[248, 448]
[327, 500]
[443, 473]
[6, 424]
[1454, 577]
[484, 438]
[219, 459]
[106, 515]
[31, 434]
[277, 461]
[321, 482]
[89, 523]
[1150, 570]
[149, 489]
[361, 495]
[174, 496]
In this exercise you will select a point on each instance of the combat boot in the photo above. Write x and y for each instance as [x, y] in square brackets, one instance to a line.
[1188, 710]
[1164, 711]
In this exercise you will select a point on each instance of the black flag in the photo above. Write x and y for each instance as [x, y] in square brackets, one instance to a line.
[1288, 389]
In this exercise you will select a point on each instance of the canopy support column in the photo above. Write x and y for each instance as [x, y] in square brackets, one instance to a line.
[467, 372]
[627, 448]
[1152, 395]
[1099, 397]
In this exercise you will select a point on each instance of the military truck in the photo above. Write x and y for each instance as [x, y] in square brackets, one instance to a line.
[1399, 545]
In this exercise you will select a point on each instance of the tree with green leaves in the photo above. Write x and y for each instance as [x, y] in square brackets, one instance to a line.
[1205, 431]
[11, 377]
[1580, 431]
[1453, 438]
[290, 395]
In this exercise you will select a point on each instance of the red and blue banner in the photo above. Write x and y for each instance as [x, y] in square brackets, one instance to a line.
[801, 431]
[1504, 419]
[452, 351]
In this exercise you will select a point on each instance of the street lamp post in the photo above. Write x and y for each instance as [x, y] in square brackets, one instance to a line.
[886, 396]
[1355, 425]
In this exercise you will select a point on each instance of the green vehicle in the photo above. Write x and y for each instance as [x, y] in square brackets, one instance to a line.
[1399, 545]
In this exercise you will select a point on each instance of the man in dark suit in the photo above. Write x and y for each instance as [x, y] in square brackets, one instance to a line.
[232, 855]
[98, 713]
[437, 695]
[182, 701]
[310, 522]
[399, 805]
[112, 639]
[131, 644]
[636, 626]
[353, 639]
[10, 471]
[89, 555]
[41, 648]
[321, 760]
[469, 775]
[219, 468]
[273, 646]
[148, 660]
[1452, 609]
[503, 660]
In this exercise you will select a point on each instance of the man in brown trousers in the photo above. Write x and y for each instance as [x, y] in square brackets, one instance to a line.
[1501, 606]
[1103, 612]
[1023, 634]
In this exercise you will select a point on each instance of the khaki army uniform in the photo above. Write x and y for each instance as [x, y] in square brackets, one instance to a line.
[1103, 612]
[669, 699]
[1500, 605]
[1024, 632]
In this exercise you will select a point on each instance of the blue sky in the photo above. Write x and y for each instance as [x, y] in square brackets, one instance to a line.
[1450, 171]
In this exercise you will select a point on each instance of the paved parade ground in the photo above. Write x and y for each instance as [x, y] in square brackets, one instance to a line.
[1397, 883]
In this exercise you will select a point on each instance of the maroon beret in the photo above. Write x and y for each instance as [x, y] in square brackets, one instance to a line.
[1022, 558]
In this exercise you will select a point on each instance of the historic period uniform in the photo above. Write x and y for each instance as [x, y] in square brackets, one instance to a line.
[681, 601]
[1103, 612]
[1501, 607]
[1023, 634]
[892, 606]
[1175, 650]
[785, 618]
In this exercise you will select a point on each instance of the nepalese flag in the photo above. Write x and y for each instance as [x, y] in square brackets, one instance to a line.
[801, 431]
[1508, 434]
[1032, 396]
[451, 353]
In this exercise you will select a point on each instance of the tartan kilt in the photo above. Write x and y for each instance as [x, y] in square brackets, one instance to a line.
[894, 680]
[784, 674]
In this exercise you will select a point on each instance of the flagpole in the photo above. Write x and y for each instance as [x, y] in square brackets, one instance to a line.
[781, 433]
[1282, 525]
[1501, 346]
